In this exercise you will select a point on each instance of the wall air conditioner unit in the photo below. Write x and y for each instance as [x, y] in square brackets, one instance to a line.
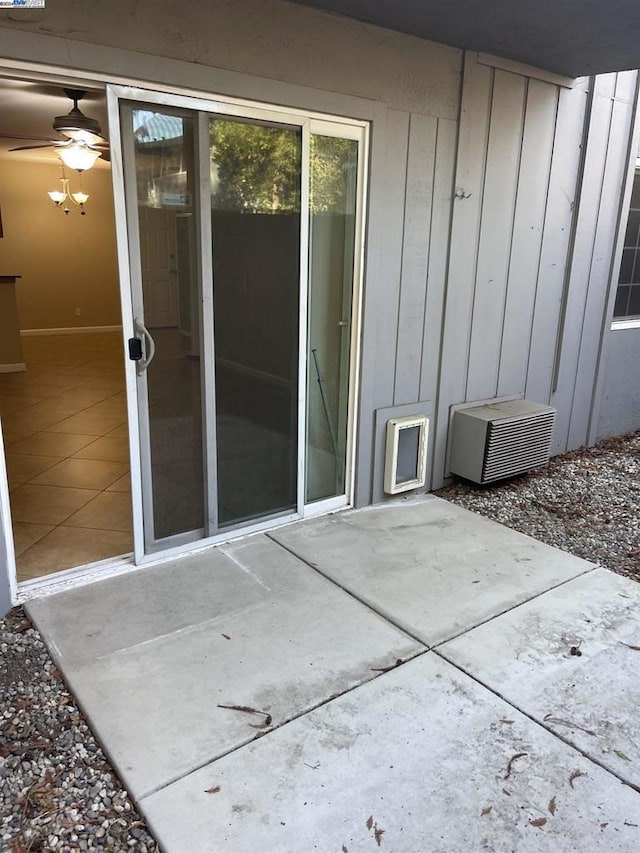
[499, 440]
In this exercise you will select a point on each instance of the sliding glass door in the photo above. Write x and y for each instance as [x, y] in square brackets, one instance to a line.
[243, 240]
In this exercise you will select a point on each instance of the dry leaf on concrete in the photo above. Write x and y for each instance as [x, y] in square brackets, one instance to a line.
[511, 760]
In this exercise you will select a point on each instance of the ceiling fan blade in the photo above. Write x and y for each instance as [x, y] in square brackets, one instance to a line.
[33, 147]
[85, 136]
[34, 138]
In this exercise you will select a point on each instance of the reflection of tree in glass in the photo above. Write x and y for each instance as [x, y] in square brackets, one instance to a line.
[333, 163]
[257, 169]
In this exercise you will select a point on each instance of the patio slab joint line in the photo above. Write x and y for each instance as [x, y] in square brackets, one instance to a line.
[529, 716]
[273, 728]
[437, 645]
[348, 592]
[406, 630]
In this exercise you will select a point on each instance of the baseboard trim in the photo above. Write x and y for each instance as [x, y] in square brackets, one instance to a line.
[254, 372]
[16, 367]
[72, 330]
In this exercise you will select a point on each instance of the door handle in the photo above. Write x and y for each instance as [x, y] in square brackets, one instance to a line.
[149, 346]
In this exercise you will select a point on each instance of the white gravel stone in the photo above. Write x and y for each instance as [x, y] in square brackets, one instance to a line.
[57, 789]
[586, 502]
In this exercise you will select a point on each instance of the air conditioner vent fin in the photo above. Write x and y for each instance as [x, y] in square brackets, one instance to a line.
[499, 440]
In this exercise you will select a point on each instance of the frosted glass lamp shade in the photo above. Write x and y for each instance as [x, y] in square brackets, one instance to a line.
[57, 196]
[78, 157]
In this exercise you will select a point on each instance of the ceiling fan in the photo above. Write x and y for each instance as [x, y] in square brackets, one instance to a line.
[83, 141]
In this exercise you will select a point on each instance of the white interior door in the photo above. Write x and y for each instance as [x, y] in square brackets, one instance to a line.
[159, 266]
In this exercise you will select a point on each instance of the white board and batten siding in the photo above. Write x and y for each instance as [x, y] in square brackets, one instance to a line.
[532, 243]
[475, 200]
[593, 277]
[403, 318]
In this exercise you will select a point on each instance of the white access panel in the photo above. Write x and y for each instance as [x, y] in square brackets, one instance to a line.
[406, 454]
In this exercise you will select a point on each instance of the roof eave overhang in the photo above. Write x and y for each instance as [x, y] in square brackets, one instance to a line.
[573, 38]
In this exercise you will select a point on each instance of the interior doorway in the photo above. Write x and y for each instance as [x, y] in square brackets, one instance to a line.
[62, 400]
[194, 379]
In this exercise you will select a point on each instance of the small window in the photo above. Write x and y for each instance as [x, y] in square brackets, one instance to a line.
[627, 302]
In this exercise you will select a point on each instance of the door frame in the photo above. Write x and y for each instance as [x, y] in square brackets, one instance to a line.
[27, 69]
[128, 260]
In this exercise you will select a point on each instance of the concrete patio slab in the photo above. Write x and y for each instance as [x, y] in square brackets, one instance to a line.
[590, 699]
[421, 759]
[429, 566]
[151, 656]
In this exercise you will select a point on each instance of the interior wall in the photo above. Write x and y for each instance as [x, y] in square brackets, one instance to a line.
[66, 261]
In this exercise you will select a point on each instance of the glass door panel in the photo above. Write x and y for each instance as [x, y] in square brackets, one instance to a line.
[241, 233]
[332, 222]
[167, 319]
[255, 225]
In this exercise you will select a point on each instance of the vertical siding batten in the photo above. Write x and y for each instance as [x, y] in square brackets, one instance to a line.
[374, 283]
[600, 274]
[570, 333]
[463, 248]
[500, 187]
[556, 240]
[531, 204]
[421, 164]
[439, 238]
[387, 298]
[439, 241]
[614, 409]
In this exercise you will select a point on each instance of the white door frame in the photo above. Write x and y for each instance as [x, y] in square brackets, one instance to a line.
[128, 251]
[358, 129]
[8, 583]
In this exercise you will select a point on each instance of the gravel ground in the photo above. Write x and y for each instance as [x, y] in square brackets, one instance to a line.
[57, 790]
[586, 502]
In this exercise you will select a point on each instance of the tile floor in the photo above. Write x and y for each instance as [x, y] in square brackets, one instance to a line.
[64, 423]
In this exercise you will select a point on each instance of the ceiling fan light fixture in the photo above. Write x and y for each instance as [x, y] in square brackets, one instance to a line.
[75, 120]
[78, 156]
